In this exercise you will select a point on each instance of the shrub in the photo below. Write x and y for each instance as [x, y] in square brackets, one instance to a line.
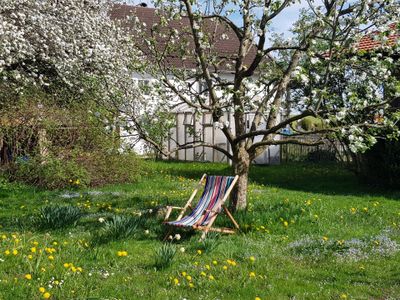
[110, 167]
[321, 156]
[56, 217]
[381, 164]
[77, 170]
[116, 228]
[51, 173]
[311, 123]
[164, 256]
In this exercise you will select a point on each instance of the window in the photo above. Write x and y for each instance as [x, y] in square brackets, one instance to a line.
[189, 119]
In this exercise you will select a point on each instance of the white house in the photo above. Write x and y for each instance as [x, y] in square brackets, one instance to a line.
[188, 123]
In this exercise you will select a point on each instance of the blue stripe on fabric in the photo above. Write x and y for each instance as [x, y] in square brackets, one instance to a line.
[214, 191]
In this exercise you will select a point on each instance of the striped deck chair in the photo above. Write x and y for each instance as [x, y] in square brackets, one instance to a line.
[211, 203]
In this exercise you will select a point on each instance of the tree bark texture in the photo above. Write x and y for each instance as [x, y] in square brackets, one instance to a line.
[241, 167]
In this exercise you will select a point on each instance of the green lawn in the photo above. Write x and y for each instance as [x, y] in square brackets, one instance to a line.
[341, 240]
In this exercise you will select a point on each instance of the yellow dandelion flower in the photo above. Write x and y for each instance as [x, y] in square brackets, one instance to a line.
[189, 278]
[207, 267]
[353, 210]
[252, 258]
[252, 274]
[343, 296]
[199, 252]
[15, 252]
[184, 274]
[176, 281]
[28, 276]
[33, 249]
[7, 252]
[50, 257]
[215, 262]
[285, 223]
[203, 274]
[211, 277]
[325, 238]
[42, 289]
[66, 265]
[225, 267]
[257, 298]
[46, 295]
[191, 285]
[30, 256]
[122, 253]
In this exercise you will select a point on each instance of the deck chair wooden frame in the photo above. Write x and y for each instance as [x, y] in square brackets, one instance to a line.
[215, 211]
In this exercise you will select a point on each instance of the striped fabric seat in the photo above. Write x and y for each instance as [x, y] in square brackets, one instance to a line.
[209, 203]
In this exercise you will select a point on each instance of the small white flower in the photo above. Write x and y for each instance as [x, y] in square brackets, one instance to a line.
[177, 237]
[182, 249]
[170, 237]
[146, 231]
[101, 220]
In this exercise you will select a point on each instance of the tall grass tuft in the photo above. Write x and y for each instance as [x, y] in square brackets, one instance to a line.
[57, 217]
[210, 242]
[164, 256]
[117, 228]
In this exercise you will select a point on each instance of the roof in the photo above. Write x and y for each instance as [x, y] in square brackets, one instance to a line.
[369, 42]
[225, 43]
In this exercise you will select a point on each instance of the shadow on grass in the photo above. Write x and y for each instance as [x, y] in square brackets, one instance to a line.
[330, 179]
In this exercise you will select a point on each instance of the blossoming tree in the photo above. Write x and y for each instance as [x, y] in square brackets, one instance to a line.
[267, 69]
[71, 44]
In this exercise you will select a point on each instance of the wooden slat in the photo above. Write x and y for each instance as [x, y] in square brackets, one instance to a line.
[213, 229]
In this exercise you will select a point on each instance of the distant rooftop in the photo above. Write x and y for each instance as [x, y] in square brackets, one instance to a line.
[225, 45]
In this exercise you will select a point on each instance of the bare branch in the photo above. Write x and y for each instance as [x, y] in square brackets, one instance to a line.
[197, 144]
[274, 128]
[233, 26]
[285, 141]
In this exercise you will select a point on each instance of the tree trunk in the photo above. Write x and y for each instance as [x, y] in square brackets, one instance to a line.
[241, 166]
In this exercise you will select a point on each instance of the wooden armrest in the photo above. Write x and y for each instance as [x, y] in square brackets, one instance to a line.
[174, 207]
[169, 210]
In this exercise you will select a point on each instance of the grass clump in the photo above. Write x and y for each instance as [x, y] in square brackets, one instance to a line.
[57, 217]
[116, 228]
[164, 256]
[210, 242]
